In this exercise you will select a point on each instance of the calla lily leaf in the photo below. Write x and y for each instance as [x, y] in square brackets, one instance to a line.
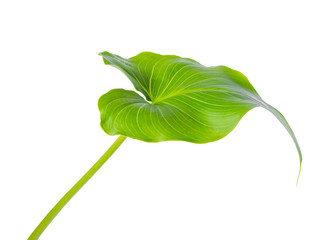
[178, 99]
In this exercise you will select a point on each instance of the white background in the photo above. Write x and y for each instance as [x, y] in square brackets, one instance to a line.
[241, 187]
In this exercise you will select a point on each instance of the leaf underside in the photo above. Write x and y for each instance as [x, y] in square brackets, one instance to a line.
[184, 100]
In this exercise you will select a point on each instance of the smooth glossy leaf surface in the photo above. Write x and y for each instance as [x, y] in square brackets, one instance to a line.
[184, 100]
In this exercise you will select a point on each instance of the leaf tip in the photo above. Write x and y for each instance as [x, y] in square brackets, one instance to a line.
[103, 54]
[299, 172]
[284, 122]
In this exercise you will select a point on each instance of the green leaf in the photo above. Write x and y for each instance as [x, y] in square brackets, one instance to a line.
[184, 100]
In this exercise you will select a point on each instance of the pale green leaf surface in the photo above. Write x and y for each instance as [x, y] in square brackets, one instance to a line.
[184, 100]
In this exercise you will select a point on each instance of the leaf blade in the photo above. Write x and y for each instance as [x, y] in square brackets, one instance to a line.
[184, 100]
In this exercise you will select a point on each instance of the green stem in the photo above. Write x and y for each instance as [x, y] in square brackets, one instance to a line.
[68, 196]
